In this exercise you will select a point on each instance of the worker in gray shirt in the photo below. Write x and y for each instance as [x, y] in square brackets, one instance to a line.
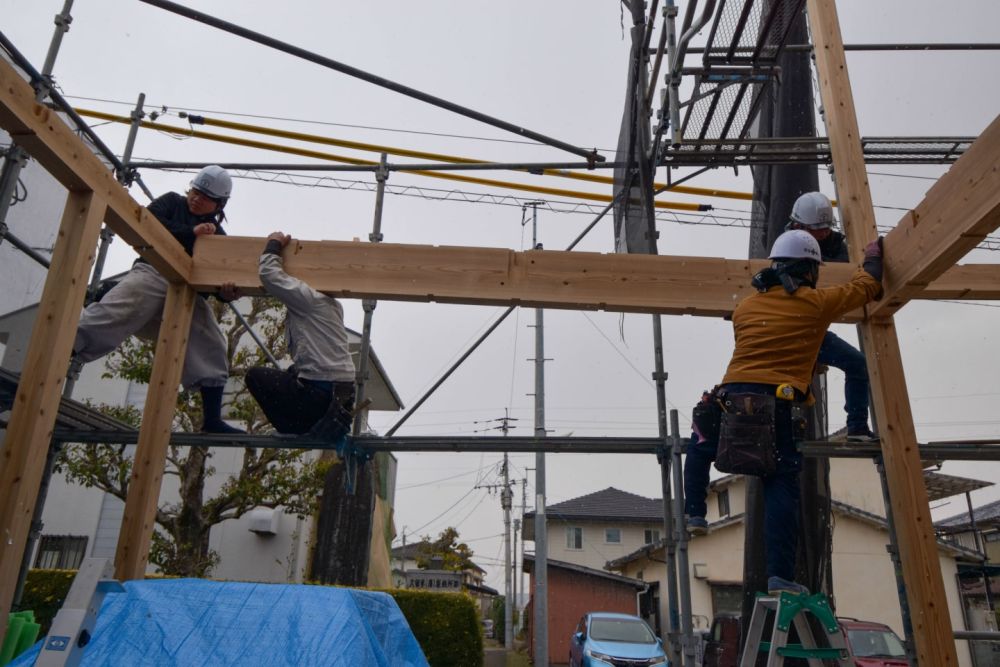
[315, 395]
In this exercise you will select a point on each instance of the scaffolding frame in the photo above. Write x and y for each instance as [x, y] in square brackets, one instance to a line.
[917, 255]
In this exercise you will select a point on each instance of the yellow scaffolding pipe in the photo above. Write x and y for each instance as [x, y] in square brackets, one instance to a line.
[558, 192]
[403, 152]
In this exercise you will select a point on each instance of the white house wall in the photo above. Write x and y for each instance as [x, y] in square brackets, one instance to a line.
[595, 552]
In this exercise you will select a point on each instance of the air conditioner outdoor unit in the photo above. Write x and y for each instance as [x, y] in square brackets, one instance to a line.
[264, 521]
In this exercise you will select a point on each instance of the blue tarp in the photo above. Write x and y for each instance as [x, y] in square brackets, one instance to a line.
[197, 623]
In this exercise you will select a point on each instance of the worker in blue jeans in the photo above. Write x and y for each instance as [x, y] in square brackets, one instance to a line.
[813, 213]
[778, 331]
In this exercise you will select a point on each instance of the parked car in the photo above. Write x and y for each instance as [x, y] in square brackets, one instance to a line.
[869, 644]
[872, 644]
[488, 628]
[603, 639]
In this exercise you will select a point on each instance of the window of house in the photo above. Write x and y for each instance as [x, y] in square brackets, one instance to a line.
[62, 552]
[613, 535]
[650, 535]
[724, 503]
[574, 537]
[727, 598]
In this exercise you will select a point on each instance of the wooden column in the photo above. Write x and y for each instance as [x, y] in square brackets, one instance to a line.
[154, 435]
[918, 550]
[22, 459]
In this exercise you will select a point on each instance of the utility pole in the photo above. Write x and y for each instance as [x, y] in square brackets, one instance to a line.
[541, 606]
[505, 502]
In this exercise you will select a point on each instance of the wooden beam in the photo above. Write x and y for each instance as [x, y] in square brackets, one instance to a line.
[673, 285]
[22, 458]
[40, 131]
[955, 215]
[154, 435]
[932, 633]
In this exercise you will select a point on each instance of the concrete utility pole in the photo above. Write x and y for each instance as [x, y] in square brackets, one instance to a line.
[541, 607]
[505, 502]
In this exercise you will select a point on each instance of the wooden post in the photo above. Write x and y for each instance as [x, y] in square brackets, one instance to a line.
[154, 435]
[918, 550]
[22, 459]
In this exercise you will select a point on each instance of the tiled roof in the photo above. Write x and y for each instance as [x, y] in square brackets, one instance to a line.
[986, 515]
[609, 503]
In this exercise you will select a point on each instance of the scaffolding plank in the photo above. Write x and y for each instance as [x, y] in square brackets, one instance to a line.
[956, 214]
[154, 435]
[928, 605]
[36, 403]
[41, 132]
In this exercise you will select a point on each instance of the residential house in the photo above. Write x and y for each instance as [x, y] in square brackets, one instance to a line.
[598, 527]
[978, 529]
[407, 574]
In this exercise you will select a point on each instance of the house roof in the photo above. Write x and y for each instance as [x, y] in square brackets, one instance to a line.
[873, 520]
[609, 504]
[638, 584]
[986, 515]
[938, 485]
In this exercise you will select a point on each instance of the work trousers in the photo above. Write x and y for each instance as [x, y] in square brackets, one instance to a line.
[781, 488]
[294, 405]
[135, 307]
[840, 354]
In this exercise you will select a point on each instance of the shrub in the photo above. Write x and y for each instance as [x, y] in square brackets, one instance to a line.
[446, 626]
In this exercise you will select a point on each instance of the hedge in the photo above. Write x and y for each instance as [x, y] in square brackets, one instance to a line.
[446, 625]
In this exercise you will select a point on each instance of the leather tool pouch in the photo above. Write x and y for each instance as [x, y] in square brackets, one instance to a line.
[746, 438]
[707, 417]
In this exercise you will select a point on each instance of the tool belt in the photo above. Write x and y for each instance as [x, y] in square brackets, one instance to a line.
[746, 435]
[707, 416]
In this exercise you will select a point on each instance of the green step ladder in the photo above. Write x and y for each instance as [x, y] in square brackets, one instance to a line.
[789, 609]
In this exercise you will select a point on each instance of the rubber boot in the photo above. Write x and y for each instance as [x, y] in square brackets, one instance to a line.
[211, 403]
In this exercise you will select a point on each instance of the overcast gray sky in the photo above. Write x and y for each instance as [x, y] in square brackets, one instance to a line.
[557, 67]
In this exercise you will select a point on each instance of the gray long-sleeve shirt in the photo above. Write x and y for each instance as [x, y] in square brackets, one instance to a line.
[314, 330]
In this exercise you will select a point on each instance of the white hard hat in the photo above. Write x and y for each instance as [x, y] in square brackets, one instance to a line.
[796, 244]
[214, 181]
[813, 210]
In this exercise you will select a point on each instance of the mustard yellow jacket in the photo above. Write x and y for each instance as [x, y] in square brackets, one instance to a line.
[778, 334]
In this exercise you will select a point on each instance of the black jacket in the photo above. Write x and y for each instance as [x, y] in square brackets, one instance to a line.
[834, 248]
[172, 211]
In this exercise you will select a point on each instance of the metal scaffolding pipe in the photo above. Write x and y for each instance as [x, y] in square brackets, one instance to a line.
[370, 78]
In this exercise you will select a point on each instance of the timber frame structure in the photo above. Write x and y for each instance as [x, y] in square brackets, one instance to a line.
[956, 214]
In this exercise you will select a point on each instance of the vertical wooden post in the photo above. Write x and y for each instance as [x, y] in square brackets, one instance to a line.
[154, 435]
[934, 644]
[22, 459]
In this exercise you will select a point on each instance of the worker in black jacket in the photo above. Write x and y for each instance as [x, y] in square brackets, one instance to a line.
[813, 213]
[135, 305]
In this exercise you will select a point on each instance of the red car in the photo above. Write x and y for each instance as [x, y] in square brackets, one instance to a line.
[869, 644]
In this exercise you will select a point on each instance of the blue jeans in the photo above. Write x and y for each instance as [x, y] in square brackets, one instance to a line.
[781, 488]
[838, 353]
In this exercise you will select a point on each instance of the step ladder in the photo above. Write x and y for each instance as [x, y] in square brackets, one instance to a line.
[789, 609]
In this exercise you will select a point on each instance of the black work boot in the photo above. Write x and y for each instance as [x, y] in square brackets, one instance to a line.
[339, 417]
[211, 405]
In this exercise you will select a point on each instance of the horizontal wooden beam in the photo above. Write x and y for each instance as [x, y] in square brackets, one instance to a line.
[40, 131]
[676, 285]
[955, 215]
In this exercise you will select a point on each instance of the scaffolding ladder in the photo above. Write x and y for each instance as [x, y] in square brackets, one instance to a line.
[790, 609]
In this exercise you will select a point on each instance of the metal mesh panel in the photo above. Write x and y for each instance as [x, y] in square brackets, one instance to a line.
[877, 150]
[750, 31]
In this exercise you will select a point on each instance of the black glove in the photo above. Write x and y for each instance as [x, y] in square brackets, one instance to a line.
[873, 259]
